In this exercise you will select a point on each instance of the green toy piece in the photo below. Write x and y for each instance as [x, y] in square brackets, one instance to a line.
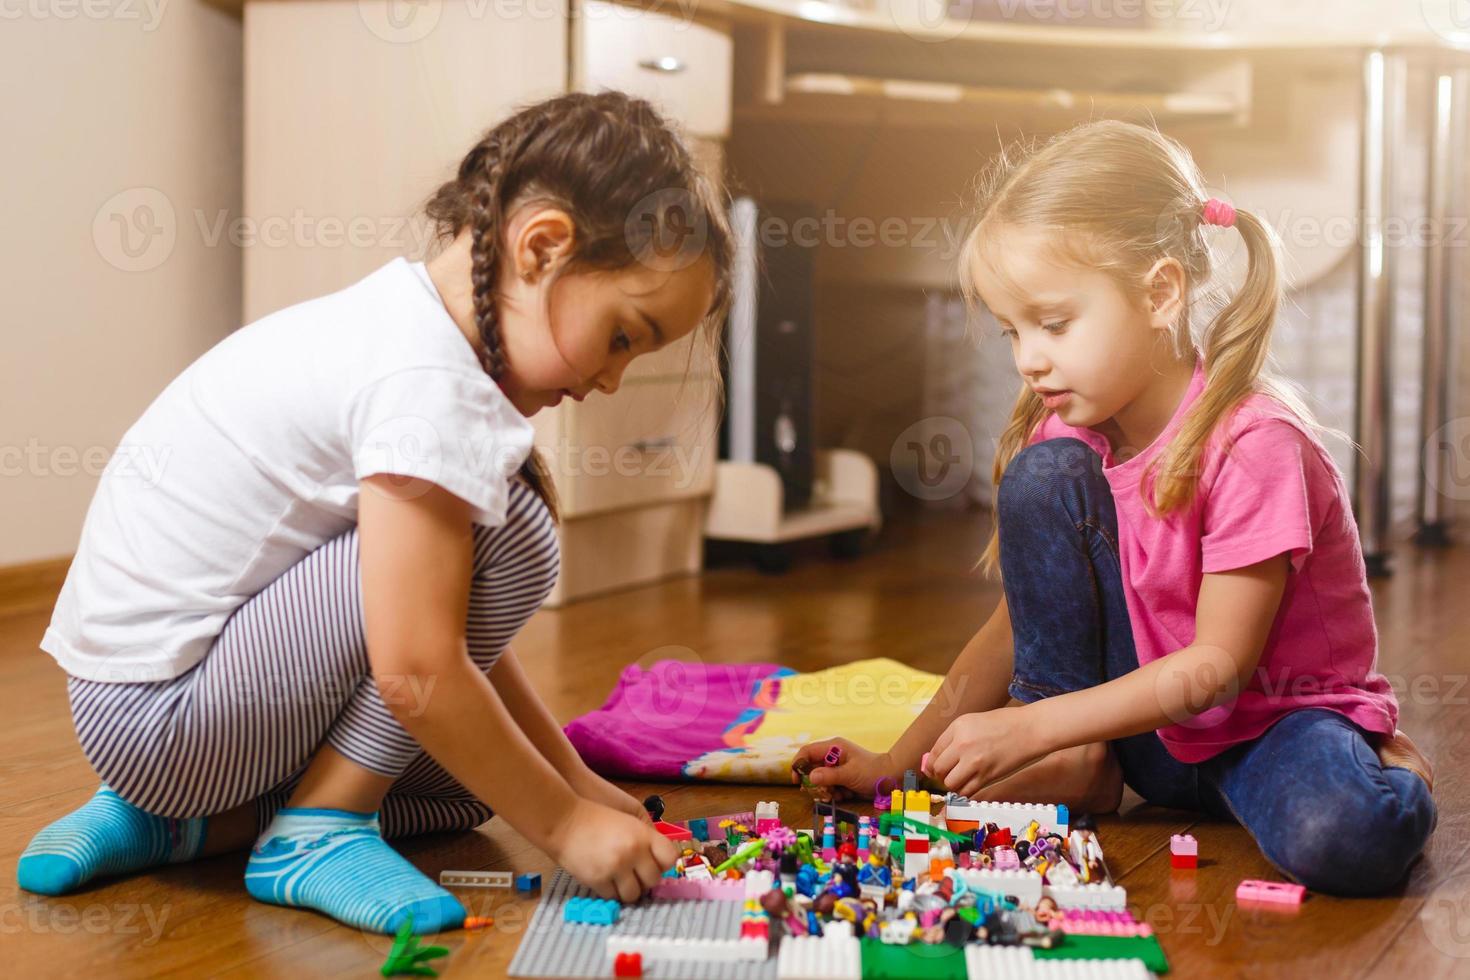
[887, 820]
[407, 956]
[750, 850]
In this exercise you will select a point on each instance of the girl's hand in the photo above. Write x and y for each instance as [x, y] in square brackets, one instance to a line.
[613, 853]
[977, 749]
[590, 786]
[855, 776]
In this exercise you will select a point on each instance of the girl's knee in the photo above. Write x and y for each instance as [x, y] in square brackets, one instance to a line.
[1357, 850]
[1041, 468]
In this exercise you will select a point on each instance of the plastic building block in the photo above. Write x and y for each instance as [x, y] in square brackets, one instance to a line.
[591, 911]
[1183, 851]
[407, 957]
[689, 890]
[834, 756]
[666, 949]
[628, 965]
[672, 831]
[699, 828]
[917, 961]
[478, 922]
[1275, 892]
[1095, 951]
[476, 879]
[527, 883]
[835, 955]
[1024, 963]
[960, 812]
[1100, 922]
[1096, 896]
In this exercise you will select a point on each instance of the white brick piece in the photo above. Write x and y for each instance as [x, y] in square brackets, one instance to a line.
[666, 949]
[1109, 897]
[1016, 816]
[476, 879]
[835, 955]
[1017, 963]
[757, 883]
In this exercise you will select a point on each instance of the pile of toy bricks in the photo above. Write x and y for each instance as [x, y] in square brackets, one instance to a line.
[928, 886]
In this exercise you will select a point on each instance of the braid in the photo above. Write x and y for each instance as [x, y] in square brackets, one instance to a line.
[486, 219]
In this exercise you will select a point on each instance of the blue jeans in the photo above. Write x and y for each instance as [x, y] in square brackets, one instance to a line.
[1310, 789]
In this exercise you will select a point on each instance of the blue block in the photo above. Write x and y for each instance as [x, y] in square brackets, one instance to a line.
[591, 911]
[528, 882]
[1063, 816]
[699, 828]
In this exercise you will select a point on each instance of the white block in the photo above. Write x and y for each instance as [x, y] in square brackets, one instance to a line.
[1017, 963]
[666, 949]
[835, 955]
[1096, 896]
[1016, 816]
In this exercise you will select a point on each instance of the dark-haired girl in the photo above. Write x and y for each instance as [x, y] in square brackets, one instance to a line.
[296, 633]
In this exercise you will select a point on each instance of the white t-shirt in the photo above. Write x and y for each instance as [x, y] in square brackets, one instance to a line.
[250, 459]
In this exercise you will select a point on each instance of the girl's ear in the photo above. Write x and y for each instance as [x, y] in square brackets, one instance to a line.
[541, 240]
[1167, 287]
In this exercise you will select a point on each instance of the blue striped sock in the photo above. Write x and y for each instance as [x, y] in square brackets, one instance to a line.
[106, 836]
[335, 861]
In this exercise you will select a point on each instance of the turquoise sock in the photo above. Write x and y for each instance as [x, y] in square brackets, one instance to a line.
[107, 836]
[336, 861]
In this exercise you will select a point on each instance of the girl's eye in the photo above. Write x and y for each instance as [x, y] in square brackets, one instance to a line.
[1056, 327]
[621, 341]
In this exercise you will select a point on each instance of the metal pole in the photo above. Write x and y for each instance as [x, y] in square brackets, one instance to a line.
[1445, 130]
[1383, 81]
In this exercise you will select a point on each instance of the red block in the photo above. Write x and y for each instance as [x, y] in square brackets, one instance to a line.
[1184, 860]
[628, 965]
[673, 831]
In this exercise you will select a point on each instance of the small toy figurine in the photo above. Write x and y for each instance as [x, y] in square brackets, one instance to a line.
[655, 807]
[407, 957]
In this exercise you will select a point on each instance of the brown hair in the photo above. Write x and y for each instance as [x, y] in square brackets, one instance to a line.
[1120, 197]
[627, 181]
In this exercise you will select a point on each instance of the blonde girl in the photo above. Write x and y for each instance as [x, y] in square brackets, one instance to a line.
[1185, 605]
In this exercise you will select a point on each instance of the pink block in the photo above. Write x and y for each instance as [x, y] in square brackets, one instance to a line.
[1277, 892]
[1183, 844]
[683, 889]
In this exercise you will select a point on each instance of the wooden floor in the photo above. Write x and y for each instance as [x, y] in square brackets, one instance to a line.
[913, 599]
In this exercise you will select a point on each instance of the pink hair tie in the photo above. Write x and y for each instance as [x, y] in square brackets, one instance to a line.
[1217, 212]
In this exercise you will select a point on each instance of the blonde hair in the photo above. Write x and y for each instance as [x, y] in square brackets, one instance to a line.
[1122, 196]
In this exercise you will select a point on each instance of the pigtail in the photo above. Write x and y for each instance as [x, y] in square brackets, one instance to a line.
[1235, 354]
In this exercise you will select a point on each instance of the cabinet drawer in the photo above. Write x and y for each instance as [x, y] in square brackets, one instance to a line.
[681, 66]
[652, 441]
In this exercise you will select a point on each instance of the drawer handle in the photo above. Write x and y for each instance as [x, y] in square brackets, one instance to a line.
[667, 65]
[649, 445]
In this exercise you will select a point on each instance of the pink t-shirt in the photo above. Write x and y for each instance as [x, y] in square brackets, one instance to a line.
[1276, 491]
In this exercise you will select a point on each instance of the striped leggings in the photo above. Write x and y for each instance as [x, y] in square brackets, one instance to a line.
[290, 671]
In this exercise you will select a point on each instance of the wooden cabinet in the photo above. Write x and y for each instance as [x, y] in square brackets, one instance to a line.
[681, 65]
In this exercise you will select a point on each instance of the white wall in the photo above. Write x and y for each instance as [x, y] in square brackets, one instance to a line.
[116, 112]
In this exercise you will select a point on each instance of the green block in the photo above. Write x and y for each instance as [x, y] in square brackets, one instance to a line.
[916, 961]
[1144, 948]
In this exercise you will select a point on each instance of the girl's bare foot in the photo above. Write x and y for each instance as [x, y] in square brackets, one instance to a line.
[1399, 750]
